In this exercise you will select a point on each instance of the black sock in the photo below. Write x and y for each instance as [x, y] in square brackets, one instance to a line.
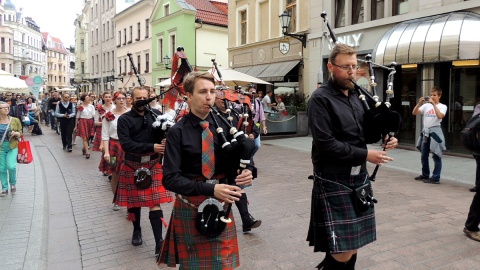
[136, 211]
[156, 222]
[329, 263]
[242, 205]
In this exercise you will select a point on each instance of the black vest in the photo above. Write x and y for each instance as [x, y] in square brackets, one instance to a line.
[63, 110]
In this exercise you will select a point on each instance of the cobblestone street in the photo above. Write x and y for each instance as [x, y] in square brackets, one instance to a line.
[62, 218]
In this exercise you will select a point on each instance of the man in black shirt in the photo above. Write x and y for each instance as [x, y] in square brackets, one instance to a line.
[65, 112]
[184, 175]
[339, 156]
[143, 146]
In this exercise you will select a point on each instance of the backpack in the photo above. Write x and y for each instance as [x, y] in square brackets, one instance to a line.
[470, 135]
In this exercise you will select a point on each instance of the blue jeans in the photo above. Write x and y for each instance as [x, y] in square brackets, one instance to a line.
[257, 146]
[8, 165]
[437, 161]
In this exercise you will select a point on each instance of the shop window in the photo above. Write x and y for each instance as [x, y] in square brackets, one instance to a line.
[339, 13]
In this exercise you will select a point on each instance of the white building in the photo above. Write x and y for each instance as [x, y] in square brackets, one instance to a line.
[134, 37]
[27, 43]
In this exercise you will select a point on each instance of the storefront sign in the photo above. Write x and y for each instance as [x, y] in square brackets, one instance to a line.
[351, 40]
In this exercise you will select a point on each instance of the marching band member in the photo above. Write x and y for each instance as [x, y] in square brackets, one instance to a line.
[339, 155]
[140, 182]
[197, 182]
[84, 122]
[101, 110]
[113, 150]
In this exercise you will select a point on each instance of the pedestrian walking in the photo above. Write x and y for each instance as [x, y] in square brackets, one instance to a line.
[339, 155]
[65, 113]
[52, 105]
[258, 116]
[101, 110]
[431, 139]
[113, 150]
[471, 229]
[140, 181]
[195, 168]
[84, 123]
[10, 131]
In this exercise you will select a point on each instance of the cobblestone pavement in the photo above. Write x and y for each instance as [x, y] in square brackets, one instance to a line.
[62, 218]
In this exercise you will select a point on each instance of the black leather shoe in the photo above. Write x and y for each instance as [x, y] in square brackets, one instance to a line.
[421, 178]
[473, 189]
[137, 238]
[250, 223]
[69, 149]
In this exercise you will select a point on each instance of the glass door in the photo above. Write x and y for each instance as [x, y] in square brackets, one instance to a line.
[465, 92]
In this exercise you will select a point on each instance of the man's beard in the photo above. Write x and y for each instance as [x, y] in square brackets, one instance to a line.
[137, 108]
[342, 84]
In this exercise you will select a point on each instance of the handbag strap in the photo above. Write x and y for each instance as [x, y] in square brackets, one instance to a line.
[4, 134]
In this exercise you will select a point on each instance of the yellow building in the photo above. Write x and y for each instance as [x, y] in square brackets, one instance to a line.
[57, 58]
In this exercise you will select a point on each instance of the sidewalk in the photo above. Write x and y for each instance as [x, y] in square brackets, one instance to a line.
[61, 216]
[454, 169]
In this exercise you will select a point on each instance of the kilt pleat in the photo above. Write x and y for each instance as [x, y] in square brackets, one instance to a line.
[97, 140]
[184, 245]
[103, 166]
[85, 128]
[335, 226]
[130, 196]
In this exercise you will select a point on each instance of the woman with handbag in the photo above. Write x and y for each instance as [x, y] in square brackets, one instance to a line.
[10, 131]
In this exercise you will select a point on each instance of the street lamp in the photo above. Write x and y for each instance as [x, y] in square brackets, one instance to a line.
[166, 61]
[285, 19]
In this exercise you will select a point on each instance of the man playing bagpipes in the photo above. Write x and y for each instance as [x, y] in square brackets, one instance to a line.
[201, 234]
[341, 220]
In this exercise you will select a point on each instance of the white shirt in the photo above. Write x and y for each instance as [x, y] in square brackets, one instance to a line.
[109, 128]
[266, 100]
[430, 118]
[87, 113]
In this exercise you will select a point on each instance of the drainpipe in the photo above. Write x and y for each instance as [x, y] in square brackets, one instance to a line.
[197, 20]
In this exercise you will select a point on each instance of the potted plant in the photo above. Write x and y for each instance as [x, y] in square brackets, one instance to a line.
[298, 103]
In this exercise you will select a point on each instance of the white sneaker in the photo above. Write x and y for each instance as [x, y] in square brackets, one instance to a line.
[13, 189]
[116, 207]
[4, 193]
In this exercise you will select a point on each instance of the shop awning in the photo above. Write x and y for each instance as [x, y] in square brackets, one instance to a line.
[439, 38]
[276, 71]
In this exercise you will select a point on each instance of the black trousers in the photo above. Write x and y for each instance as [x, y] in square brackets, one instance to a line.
[66, 129]
[477, 176]
[473, 219]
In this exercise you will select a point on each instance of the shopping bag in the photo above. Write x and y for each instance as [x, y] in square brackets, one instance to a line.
[24, 152]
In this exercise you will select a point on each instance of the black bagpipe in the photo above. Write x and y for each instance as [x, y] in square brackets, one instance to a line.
[379, 120]
[211, 218]
[239, 146]
[237, 96]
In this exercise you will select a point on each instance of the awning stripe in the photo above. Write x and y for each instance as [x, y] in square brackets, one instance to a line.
[439, 38]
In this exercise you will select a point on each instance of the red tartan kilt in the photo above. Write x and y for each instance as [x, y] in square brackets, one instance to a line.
[130, 196]
[115, 150]
[98, 139]
[185, 245]
[85, 128]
